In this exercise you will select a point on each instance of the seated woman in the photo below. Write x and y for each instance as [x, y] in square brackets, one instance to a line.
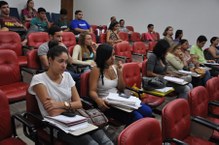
[112, 36]
[107, 77]
[213, 51]
[55, 92]
[168, 33]
[29, 12]
[157, 66]
[192, 61]
[83, 53]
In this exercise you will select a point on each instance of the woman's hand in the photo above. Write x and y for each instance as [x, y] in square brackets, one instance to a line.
[102, 104]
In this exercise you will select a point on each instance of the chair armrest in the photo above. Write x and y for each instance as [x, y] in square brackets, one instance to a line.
[28, 128]
[174, 140]
[214, 103]
[139, 92]
[139, 54]
[205, 122]
[121, 58]
[87, 104]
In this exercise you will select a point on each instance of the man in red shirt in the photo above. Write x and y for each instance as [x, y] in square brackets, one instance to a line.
[6, 21]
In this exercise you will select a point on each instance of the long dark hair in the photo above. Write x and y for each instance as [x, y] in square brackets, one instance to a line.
[160, 49]
[103, 53]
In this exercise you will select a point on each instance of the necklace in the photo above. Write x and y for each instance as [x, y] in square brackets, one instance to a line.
[110, 73]
[57, 80]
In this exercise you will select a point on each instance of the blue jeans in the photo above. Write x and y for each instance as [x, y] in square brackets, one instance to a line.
[97, 137]
[128, 118]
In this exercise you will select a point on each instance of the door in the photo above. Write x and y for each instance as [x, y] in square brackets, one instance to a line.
[68, 5]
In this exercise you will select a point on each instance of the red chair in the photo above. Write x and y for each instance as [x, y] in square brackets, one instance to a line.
[8, 135]
[213, 89]
[68, 38]
[176, 123]
[140, 48]
[94, 28]
[103, 38]
[130, 28]
[33, 115]
[123, 36]
[152, 45]
[145, 131]
[12, 41]
[35, 39]
[93, 37]
[123, 49]
[199, 101]
[135, 37]
[132, 76]
[11, 83]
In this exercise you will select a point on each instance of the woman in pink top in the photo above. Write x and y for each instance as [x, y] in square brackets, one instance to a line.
[29, 12]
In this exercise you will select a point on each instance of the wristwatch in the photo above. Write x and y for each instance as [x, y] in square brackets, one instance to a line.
[67, 105]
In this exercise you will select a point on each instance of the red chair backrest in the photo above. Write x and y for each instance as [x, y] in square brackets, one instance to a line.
[84, 84]
[10, 70]
[93, 37]
[145, 131]
[103, 38]
[123, 49]
[12, 41]
[140, 47]
[144, 68]
[151, 45]
[135, 36]
[5, 125]
[68, 38]
[213, 88]
[130, 28]
[124, 36]
[198, 101]
[176, 119]
[35, 39]
[33, 60]
[131, 74]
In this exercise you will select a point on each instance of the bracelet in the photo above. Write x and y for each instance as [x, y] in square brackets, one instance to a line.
[70, 107]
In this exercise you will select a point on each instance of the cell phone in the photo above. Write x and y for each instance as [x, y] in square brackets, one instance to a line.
[68, 114]
[124, 95]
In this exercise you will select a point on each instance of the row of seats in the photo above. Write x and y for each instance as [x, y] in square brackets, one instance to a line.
[128, 77]
[52, 17]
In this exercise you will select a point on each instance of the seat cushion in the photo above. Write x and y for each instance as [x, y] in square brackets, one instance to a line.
[12, 141]
[214, 110]
[191, 140]
[16, 91]
[22, 60]
[152, 101]
[215, 134]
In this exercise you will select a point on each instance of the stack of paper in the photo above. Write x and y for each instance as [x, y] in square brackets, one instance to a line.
[68, 121]
[175, 80]
[189, 73]
[128, 103]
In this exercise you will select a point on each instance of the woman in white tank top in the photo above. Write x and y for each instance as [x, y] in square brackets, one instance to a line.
[107, 77]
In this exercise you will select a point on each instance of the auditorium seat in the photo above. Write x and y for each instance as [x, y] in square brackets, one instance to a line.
[68, 38]
[12, 41]
[131, 77]
[8, 134]
[176, 123]
[199, 103]
[35, 39]
[10, 77]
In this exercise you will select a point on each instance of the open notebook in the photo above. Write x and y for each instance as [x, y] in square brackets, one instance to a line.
[160, 92]
[80, 126]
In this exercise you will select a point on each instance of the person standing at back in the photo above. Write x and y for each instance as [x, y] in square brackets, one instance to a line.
[151, 35]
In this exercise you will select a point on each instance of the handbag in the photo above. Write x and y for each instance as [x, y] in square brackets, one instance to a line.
[94, 116]
[151, 83]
